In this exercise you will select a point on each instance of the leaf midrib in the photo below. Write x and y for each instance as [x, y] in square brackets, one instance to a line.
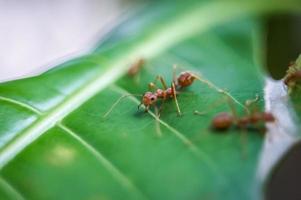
[160, 41]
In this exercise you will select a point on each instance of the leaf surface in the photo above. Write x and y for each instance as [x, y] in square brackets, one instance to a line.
[55, 143]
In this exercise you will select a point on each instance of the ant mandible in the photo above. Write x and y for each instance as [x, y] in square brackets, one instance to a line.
[223, 121]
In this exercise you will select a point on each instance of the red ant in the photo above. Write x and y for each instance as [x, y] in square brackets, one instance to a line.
[293, 74]
[136, 67]
[150, 99]
[223, 121]
[252, 119]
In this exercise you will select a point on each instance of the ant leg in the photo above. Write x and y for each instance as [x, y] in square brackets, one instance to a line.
[118, 101]
[251, 104]
[153, 85]
[244, 142]
[164, 85]
[224, 92]
[175, 98]
[174, 73]
[161, 107]
[158, 129]
[146, 109]
[139, 105]
[232, 107]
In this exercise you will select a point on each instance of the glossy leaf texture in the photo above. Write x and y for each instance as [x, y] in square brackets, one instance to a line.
[55, 143]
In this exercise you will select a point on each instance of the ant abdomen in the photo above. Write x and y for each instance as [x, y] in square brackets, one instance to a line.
[185, 79]
[222, 121]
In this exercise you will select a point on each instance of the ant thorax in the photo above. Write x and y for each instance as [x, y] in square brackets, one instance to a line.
[170, 92]
[161, 93]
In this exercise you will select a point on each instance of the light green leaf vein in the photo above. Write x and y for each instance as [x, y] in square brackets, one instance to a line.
[10, 189]
[21, 104]
[118, 175]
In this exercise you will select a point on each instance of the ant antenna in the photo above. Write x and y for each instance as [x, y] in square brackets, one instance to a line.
[215, 104]
[249, 102]
[173, 87]
[211, 85]
[117, 101]
[232, 108]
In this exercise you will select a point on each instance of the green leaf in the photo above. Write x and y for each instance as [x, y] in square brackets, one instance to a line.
[55, 143]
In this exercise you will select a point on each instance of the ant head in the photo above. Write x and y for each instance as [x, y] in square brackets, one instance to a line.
[222, 121]
[185, 79]
[149, 98]
[269, 117]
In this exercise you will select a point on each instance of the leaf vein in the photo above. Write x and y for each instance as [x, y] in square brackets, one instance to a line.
[116, 173]
[21, 104]
[12, 190]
